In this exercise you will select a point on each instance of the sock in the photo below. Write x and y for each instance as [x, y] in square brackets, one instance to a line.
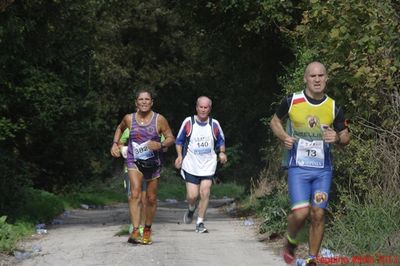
[199, 220]
[192, 207]
[291, 240]
[147, 227]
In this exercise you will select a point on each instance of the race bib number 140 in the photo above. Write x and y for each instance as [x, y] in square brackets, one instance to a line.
[310, 153]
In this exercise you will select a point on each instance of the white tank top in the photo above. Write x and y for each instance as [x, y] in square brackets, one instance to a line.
[200, 159]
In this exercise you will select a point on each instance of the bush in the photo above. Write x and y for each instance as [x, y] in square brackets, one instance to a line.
[275, 209]
[366, 228]
[40, 206]
[10, 234]
[14, 178]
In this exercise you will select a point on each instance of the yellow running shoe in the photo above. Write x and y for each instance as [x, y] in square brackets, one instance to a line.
[147, 237]
[135, 237]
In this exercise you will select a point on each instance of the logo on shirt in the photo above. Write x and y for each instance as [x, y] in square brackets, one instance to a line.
[312, 121]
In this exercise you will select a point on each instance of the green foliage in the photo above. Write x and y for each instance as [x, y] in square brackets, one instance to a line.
[172, 190]
[229, 190]
[356, 171]
[274, 209]
[100, 198]
[39, 206]
[10, 234]
[367, 228]
[235, 157]
[13, 181]
[171, 186]
[361, 63]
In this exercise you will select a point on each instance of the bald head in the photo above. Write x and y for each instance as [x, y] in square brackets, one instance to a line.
[314, 65]
[315, 78]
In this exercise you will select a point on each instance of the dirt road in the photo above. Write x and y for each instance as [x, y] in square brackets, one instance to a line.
[88, 237]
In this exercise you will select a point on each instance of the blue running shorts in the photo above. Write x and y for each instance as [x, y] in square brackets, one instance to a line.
[194, 179]
[309, 186]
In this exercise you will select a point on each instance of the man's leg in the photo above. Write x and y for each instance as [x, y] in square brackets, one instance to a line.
[143, 207]
[316, 230]
[127, 185]
[320, 194]
[136, 178]
[296, 221]
[205, 187]
[151, 204]
[299, 191]
[192, 193]
[151, 207]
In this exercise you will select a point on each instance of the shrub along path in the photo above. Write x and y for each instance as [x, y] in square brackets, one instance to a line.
[88, 237]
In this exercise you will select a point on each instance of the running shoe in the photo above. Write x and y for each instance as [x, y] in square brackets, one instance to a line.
[135, 237]
[288, 252]
[188, 217]
[311, 261]
[147, 237]
[200, 228]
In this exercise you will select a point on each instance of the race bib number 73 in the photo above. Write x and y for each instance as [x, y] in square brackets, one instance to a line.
[310, 153]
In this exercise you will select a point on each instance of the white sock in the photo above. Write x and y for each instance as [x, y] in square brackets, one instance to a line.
[192, 207]
[199, 220]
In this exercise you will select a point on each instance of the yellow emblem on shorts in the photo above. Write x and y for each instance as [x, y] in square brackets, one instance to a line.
[320, 197]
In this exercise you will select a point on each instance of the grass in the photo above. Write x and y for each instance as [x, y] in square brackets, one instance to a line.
[10, 234]
[356, 228]
[171, 186]
[366, 228]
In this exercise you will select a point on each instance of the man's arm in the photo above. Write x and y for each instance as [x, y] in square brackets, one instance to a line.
[165, 130]
[343, 137]
[179, 158]
[277, 127]
[340, 133]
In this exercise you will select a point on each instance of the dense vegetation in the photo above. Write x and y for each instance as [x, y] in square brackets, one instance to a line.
[68, 70]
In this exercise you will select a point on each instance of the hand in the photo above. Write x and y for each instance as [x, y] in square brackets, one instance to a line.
[115, 150]
[178, 162]
[154, 145]
[288, 142]
[330, 135]
[222, 157]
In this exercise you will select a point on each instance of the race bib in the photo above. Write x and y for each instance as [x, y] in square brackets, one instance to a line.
[141, 151]
[310, 153]
[202, 145]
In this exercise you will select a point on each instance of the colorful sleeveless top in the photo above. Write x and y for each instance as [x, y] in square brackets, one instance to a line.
[139, 136]
[306, 124]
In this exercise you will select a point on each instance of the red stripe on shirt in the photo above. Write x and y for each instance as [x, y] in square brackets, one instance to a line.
[299, 100]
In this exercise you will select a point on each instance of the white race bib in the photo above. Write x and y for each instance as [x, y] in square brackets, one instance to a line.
[202, 145]
[310, 153]
[141, 151]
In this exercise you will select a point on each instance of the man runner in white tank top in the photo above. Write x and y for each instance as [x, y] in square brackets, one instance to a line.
[198, 139]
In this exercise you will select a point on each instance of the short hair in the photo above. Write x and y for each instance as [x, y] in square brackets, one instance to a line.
[144, 90]
[204, 97]
[307, 70]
